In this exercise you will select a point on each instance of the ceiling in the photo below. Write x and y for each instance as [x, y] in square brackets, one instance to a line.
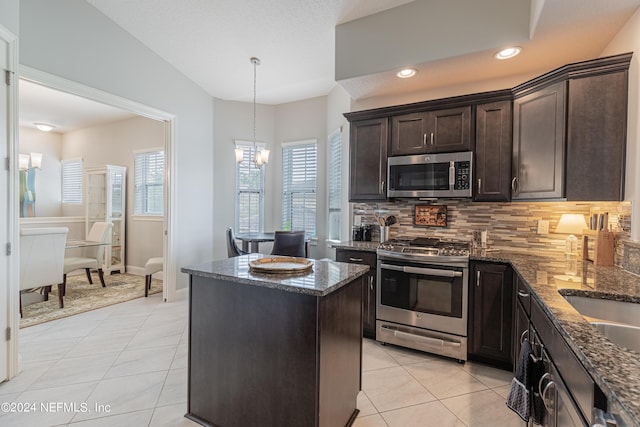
[211, 42]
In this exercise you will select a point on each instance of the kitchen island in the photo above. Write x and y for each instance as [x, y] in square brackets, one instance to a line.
[274, 349]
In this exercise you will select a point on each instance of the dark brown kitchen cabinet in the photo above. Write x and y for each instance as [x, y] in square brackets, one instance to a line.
[438, 131]
[596, 137]
[492, 177]
[538, 144]
[491, 300]
[569, 132]
[521, 317]
[368, 160]
[369, 286]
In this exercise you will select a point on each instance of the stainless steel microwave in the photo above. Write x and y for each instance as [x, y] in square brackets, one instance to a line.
[430, 175]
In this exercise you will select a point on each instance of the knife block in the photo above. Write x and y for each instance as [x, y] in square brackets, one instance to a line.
[603, 247]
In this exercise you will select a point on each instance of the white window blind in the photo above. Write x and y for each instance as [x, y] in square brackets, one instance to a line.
[149, 183]
[334, 184]
[299, 171]
[249, 191]
[72, 181]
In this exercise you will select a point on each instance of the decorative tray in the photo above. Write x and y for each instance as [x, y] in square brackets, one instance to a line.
[280, 265]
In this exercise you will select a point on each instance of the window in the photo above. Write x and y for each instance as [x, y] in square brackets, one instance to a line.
[149, 182]
[299, 170]
[72, 181]
[249, 191]
[334, 184]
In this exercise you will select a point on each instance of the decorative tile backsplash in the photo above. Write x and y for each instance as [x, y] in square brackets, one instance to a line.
[509, 225]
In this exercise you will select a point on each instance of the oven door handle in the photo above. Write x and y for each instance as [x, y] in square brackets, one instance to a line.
[418, 270]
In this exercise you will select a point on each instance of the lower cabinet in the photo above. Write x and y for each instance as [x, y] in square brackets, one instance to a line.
[568, 393]
[490, 328]
[369, 286]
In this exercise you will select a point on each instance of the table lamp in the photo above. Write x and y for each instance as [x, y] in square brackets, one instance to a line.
[571, 224]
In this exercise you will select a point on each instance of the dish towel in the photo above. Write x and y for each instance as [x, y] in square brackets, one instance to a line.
[519, 398]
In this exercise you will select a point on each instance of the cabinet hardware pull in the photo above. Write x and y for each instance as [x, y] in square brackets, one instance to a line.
[431, 138]
[382, 187]
[523, 294]
[371, 282]
[522, 337]
[544, 396]
[542, 378]
[355, 259]
[478, 278]
[424, 139]
[479, 185]
[514, 184]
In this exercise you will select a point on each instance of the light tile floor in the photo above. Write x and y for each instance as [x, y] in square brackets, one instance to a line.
[126, 365]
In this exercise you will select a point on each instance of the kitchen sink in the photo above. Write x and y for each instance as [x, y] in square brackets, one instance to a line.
[607, 310]
[625, 335]
[619, 321]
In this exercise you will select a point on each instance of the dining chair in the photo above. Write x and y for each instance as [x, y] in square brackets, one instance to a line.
[289, 243]
[42, 260]
[232, 247]
[92, 256]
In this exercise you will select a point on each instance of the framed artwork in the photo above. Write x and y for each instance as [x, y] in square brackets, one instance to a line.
[430, 215]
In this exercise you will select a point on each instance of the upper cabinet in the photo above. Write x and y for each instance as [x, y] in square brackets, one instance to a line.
[569, 137]
[438, 131]
[493, 152]
[538, 144]
[368, 160]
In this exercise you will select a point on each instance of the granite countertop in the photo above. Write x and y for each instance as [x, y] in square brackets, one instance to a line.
[615, 369]
[325, 277]
[357, 246]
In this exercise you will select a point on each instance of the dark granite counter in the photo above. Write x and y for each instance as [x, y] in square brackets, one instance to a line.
[615, 369]
[325, 277]
[357, 246]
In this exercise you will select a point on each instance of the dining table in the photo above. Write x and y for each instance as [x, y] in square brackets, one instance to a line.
[251, 241]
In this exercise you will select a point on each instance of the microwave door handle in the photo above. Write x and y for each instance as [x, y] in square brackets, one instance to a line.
[452, 174]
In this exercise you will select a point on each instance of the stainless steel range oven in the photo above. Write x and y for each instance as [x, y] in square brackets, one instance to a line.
[422, 295]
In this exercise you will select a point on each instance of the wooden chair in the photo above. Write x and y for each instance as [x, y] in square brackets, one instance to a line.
[289, 243]
[42, 259]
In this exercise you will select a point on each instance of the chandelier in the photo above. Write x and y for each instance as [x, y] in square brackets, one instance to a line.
[261, 156]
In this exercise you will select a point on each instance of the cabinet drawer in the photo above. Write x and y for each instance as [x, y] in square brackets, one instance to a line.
[356, 257]
[523, 293]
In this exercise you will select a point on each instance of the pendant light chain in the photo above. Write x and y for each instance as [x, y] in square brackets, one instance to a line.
[255, 62]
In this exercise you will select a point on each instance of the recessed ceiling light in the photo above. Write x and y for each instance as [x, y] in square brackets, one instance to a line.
[406, 73]
[509, 52]
[44, 127]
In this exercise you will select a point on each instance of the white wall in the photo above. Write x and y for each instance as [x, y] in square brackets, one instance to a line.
[9, 10]
[234, 120]
[114, 144]
[628, 40]
[48, 182]
[73, 40]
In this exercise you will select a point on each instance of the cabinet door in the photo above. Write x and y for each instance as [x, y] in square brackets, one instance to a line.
[521, 331]
[490, 318]
[368, 160]
[449, 130]
[596, 137]
[493, 152]
[409, 134]
[369, 287]
[538, 144]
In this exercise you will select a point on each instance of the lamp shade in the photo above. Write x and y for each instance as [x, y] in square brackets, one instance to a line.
[23, 162]
[36, 160]
[571, 224]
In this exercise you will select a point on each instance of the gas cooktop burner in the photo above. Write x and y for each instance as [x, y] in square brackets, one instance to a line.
[425, 247]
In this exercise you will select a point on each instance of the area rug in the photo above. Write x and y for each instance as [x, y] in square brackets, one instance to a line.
[81, 296]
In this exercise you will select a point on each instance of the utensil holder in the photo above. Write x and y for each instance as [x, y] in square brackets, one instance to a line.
[384, 233]
[603, 248]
